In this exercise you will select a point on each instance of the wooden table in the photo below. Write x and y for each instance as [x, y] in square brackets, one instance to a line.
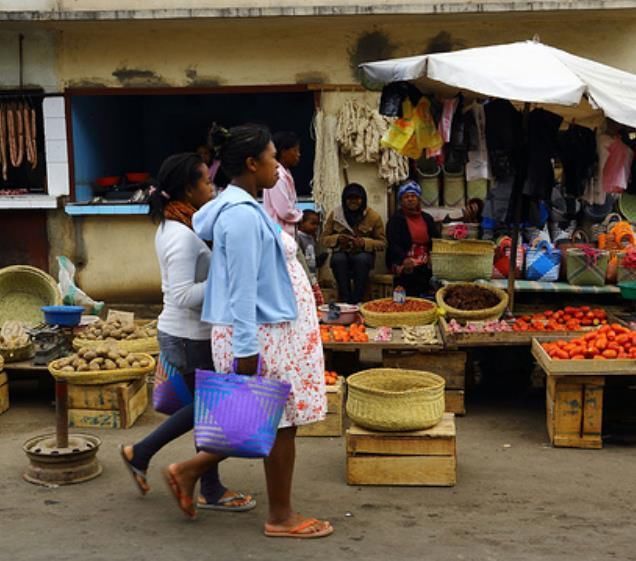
[574, 397]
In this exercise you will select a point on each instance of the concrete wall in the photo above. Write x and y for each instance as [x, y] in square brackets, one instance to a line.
[40, 58]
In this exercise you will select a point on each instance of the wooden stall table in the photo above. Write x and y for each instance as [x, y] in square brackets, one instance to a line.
[397, 353]
[574, 396]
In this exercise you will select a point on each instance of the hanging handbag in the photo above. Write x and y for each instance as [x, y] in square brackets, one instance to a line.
[587, 266]
[619, 237]
[580, 240]
[627, 265]
[501, 263]
[237, 415]
[170, 392]
[543, 262]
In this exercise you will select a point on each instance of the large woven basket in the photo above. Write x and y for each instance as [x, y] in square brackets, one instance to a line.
[23, 291]
[391, 399]
[17, 354]
[145, 345]
[462, 260]
[487, 314]
[397, 319]
[102, 376]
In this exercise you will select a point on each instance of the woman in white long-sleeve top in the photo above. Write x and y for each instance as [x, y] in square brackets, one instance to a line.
[184, 259]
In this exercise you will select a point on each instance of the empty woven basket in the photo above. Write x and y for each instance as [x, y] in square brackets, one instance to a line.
[23, 291]
[395, 400]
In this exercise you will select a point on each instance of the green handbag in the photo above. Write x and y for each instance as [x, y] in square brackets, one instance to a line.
[587, 266]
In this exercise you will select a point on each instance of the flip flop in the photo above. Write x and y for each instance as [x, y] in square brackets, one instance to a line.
[297, 531]
[185, 503]
[222, 504]
[138, 475]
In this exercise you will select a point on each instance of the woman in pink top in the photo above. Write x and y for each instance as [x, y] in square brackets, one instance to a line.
[280, 201]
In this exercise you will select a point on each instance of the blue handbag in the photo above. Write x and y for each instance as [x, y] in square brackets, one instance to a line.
[170, 392]
[543, 262]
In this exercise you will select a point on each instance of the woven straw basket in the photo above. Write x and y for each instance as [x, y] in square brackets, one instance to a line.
[23, 291]
[394, 400]
[145, 345]
[18, 354]
[462, 260]
[397, 319]
[487, 314]
[97, 377]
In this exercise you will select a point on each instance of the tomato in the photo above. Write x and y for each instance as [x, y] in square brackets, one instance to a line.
[578, 357]
[610, 353]
[601, 343]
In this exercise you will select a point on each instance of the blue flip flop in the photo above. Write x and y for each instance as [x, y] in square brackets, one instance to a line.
[222, 504]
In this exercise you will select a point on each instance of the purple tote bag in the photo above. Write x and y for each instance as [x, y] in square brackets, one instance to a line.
[170, 392]
[237, 415]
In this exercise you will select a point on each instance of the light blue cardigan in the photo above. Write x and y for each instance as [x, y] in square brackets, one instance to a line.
[248, 283]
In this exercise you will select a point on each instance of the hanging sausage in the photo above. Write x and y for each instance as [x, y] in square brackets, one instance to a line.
[3, 142]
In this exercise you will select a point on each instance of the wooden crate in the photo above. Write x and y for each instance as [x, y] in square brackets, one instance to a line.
[450, 365]
[108, 406]
[4, 392]
[422, 458]
[574, 411]
[333, 425]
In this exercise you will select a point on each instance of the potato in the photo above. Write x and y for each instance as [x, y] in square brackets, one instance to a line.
[113, 355]
[116, 333]
[68, 369]
[102, 350]
[75, 362]
[144, 363]
[89, 355]
[109, 364]
[96, 363]
[128, 329]
[136, 364]
[64, 362]
[123, 353]
[82, 362]
[83, 368]
[122, 363]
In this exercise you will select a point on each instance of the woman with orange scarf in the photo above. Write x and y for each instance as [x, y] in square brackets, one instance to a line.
[184, 340]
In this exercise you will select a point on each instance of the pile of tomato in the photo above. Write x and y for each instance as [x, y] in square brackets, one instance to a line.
[607, 342]
[331, 378]
[569, 318]
[356, 333]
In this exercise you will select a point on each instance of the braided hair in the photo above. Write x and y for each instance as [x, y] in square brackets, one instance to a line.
[233, 146]
[176, 174]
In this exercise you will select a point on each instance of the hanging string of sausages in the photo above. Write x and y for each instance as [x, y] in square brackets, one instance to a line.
[18, 136]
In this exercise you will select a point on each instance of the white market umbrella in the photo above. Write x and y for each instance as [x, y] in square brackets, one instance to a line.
[527, 72]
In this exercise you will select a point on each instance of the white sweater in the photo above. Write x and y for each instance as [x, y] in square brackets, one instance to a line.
[184, 260]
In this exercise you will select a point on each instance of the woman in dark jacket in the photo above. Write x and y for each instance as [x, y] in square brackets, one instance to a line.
[409, 234]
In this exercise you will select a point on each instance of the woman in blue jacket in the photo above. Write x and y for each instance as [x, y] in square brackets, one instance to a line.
[260, 304]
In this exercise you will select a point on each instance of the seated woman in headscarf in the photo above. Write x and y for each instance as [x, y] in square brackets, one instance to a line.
[355, 233]
[409, 234]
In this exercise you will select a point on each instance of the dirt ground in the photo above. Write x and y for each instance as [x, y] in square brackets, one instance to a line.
[516, 499]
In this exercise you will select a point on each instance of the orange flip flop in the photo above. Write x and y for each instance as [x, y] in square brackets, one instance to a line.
[298, 531]
[186, 504]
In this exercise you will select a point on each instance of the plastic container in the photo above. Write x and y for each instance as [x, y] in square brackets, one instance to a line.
[628, 290]
[69, 316]
[347, 314]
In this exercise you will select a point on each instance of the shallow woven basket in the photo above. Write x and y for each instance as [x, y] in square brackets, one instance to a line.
[17, 354]
[397, 319]
[97, 377]
[395, 400]
[23, 291]
[145, 345]
[487, 314]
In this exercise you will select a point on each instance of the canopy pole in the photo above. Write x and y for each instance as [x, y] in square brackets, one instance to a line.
[520, 179]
